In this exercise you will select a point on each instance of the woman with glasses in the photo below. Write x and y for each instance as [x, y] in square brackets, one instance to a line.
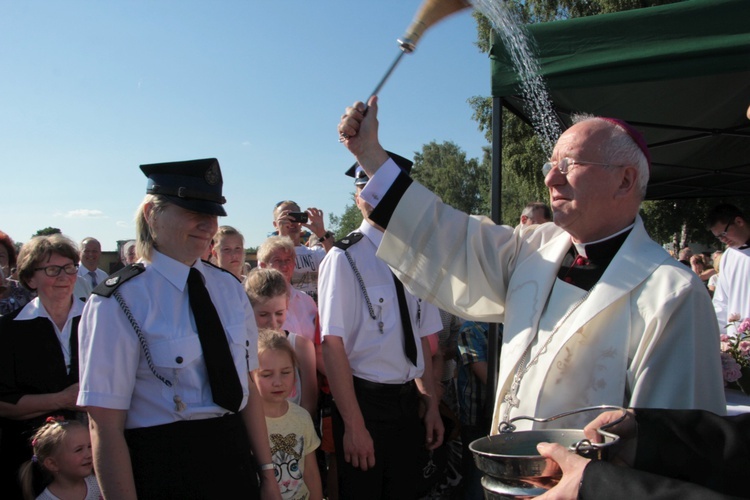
[38, 352]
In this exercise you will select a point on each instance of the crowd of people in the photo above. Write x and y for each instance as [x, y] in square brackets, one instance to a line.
[358, 368]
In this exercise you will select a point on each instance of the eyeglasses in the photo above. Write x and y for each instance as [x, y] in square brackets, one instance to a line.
[567, 164]
[53, 271]
[723, 234]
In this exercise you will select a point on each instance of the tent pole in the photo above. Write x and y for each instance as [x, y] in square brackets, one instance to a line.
[494, 340]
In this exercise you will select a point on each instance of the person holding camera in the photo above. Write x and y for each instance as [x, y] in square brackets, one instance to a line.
[289, 219]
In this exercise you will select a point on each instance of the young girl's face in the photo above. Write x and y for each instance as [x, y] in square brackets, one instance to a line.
[73, 457]
[230, 253]
[275, 375]
[271, 313]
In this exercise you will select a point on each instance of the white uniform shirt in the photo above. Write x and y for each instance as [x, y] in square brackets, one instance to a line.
[373, 356]
[35, 309]
[301, 314]
[732, 294]
[114, 371]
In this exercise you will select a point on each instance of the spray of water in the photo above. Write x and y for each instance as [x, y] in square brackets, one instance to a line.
[506, 22]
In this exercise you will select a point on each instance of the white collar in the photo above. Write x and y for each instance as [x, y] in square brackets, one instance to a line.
[372, 233]
[581, 247]
[35, 309]
[174, 271]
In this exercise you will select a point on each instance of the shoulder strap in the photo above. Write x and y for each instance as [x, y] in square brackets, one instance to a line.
[349, 240]
[208, 263]
[107, 287]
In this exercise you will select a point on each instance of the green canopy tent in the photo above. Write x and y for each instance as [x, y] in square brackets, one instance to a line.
[680, 73]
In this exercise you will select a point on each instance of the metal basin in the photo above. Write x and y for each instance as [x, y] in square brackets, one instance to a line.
[514, 456]
[513, 467]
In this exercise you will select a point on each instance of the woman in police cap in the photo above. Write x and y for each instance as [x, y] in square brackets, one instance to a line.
[166, 347]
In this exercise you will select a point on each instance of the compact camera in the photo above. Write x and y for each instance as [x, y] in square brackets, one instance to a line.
[298, 217]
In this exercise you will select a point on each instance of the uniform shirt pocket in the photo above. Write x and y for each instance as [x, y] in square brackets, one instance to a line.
[238, 345]
[180, 362]
[384, 307]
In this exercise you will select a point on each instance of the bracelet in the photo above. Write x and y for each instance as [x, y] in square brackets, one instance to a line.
[327, 235]
[266, 467]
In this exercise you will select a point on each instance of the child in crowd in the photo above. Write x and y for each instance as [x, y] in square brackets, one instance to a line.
[228, 251]
[62, 462]
[290, 428]
[269, 295]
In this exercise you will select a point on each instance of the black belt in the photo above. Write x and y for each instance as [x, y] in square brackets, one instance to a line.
[393, 389]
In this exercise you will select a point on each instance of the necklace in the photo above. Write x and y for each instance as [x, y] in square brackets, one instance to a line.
[511, 398]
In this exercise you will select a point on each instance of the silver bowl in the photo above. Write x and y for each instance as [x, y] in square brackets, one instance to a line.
[515, 469]
[514, 455]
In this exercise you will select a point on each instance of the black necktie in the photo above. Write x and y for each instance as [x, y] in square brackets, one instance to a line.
[222, 374]
[410, 346]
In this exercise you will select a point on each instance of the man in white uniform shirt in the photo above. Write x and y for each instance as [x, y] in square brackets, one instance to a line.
[375, 350]
[594, 311]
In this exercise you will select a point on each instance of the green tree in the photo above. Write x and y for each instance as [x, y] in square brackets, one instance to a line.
[460, 182]
[47, 231]
[346, 222]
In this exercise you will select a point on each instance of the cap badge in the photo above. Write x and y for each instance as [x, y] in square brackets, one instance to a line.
[212, 175]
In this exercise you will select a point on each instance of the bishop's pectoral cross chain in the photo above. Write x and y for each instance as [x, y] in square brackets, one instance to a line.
[511, 398]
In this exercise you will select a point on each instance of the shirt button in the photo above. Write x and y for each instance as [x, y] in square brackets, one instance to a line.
[178, 359]
[247, 343]
[380, 300]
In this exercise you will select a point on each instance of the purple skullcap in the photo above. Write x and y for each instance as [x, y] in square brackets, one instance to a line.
[634, 134]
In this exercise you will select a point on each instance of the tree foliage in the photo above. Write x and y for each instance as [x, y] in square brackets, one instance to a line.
[47, 231]
[346, 222]
[460, 182]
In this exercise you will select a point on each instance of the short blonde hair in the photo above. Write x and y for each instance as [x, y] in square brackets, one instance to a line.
[262, 284]
[39, 248]
[272, 244]
[271, 340]
[144, 236]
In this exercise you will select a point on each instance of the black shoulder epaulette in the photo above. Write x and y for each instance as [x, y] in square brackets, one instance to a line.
[349, 240]
[107, 287]
[209, 263]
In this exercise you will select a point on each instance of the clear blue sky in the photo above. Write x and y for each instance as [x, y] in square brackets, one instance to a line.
[92, 89]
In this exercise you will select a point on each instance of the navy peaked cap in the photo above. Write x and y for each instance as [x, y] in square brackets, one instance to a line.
[193, 185]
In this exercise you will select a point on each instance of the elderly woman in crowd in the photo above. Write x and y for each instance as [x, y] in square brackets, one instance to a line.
[166, 352]
[278, 252]
[38, 352]
[12, 295]
[229, 251]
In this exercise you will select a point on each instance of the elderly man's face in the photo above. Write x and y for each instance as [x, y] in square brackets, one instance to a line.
[583, 200]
